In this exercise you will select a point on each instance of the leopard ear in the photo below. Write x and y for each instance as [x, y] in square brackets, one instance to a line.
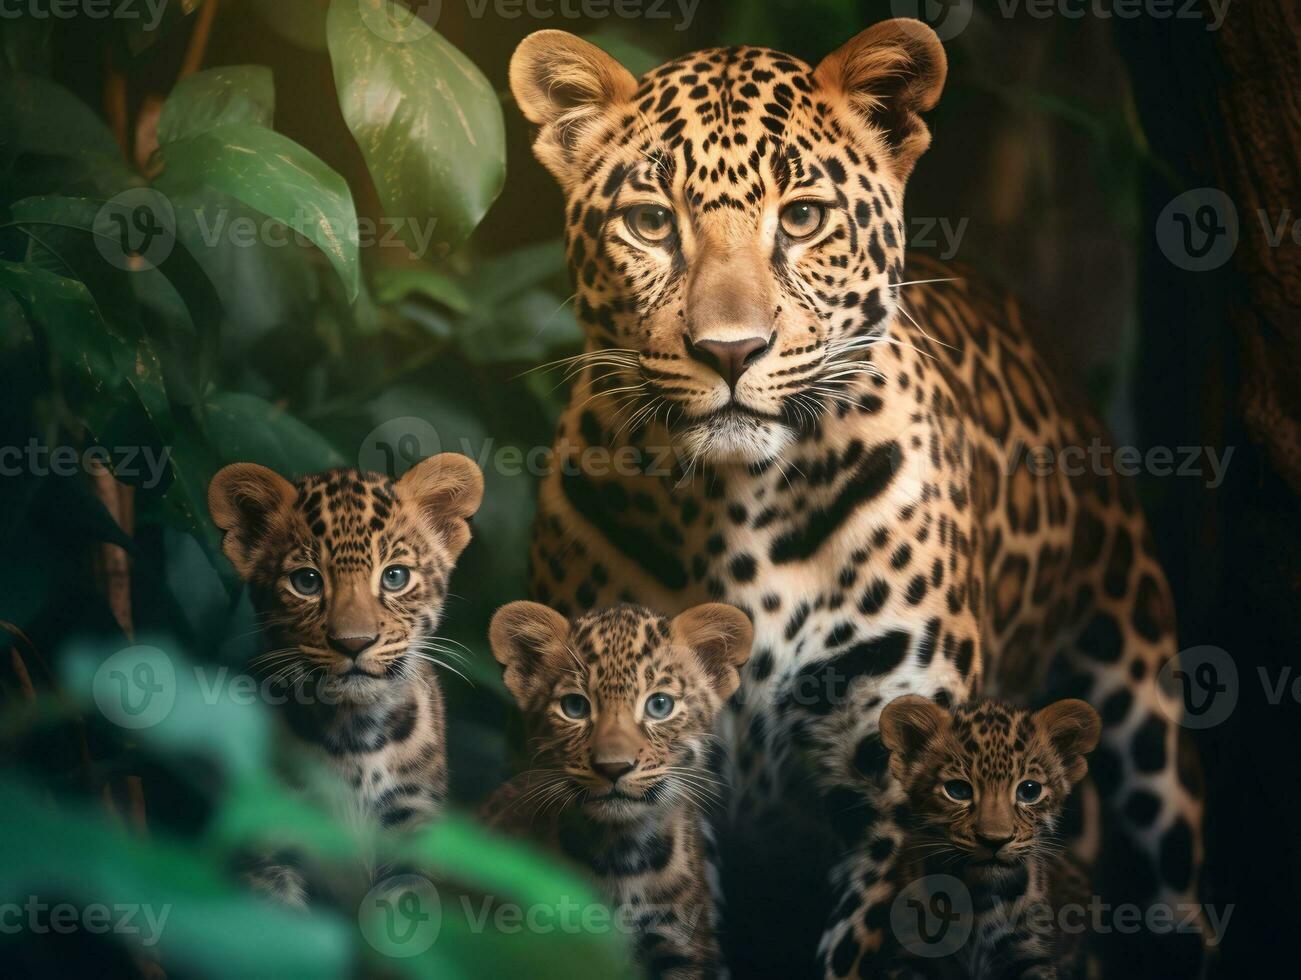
[246, 502]
[1073, 729]
[447, 489]
[526, 637]
[721, 637]
[565, 85]
[907, 725]
[890, 74]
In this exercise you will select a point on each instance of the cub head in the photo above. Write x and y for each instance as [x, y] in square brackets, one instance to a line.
[348, 570]
[620, 703]
[734, 223]
[987, 780]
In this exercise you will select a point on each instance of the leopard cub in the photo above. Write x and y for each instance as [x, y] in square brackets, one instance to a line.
[985, 787]
[619, 706]
[348, 572]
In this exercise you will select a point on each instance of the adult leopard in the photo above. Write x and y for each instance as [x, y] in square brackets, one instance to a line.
[775, 411]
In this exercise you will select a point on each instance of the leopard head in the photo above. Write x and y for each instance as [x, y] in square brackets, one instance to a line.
[734, 224]
[987, 780]
[347, 570]
[620, 702]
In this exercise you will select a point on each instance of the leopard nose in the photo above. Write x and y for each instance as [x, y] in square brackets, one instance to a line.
[993, 844]
[351, 646]
[729, 358]
[613, 770]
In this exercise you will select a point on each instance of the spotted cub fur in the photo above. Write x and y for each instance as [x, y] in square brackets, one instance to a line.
[619, 705]
[986, 784]
[348, 572]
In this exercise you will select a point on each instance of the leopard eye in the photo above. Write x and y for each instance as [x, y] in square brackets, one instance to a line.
[1029, 791]
[803, 219]
[575, 706]
[306, 582]
[958, 790]
[395, 578]
[650, 223]
[659, 706]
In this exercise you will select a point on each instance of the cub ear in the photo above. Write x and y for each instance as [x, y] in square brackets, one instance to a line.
[526, 637]
[246, 501]
[890, 73]
[720, 636]
[1073, 728]
[907, 724]
[447, 489]
[565, 85]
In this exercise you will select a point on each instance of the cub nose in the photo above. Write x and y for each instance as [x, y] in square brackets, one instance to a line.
[729, 358]
[351, 646]
[613, 770]
[992, 843]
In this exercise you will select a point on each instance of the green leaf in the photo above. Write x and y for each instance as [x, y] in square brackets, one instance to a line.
[42, 119]
[393, 283]
[277, 177]
[244, 428]
[25, 45]
[427, 121]
[218, 97]
[70, 854]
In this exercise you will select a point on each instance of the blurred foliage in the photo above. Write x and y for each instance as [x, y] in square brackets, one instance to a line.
[223, 298]
[295, 261]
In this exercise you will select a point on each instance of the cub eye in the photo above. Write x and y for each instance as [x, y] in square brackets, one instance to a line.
[306, 581]
[958, 789]
[575, 706]
[802, 219]
[395, 578]
[1029, 791]
[659, 706]
[650, 222]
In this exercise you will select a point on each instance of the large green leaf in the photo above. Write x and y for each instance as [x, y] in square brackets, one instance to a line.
[245, 428]
[218, 97]
[41, 119]
[278, 177]
[427, 121]
[194, 905]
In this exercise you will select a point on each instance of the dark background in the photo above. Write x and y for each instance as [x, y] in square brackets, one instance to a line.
[1057, 144]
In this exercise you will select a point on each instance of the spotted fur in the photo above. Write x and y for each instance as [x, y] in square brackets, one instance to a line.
[986, 784]
[354, 649]
[616, 788]
[844, 443]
